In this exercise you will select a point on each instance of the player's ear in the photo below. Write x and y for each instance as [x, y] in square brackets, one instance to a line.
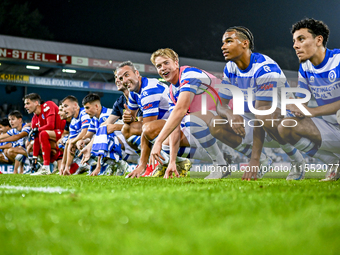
[176, 64]
[137, 73]
[319, 40]
[245, 44]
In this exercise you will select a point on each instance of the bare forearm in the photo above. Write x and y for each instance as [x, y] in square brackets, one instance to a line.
[70, 157]
[174, 120]
[79, 136]
[174, 141]
[145, 152]
[3, 136]
[114, 127]
[14, 137]
[111, 120]
[6, 146]
[258, 139]
[327, 109]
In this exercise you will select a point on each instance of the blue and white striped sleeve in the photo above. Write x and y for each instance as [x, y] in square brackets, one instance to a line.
[192, 78]
[132, 104]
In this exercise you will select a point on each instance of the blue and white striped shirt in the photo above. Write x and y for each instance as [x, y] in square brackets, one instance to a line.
[21, 141]
[79, 123]
[262, 75]
[152, 99]
[323, 81]
[95, 122]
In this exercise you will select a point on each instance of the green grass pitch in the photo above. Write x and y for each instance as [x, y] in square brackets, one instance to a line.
[114, 215]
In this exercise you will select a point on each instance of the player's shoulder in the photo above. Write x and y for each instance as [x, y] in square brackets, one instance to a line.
[83, 114]
[334, 52]
[333, 56]
[106, 111]
[48, 105]
[192, 73]
[188, 69]
[82, 111]
[154, 86]
[148, 83]
[230, 68]
[12, 131]
[261, 60]
[263, 64]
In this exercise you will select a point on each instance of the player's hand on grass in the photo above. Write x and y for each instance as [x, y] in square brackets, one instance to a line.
[96, 171]
[137, 172]
[171, 169]
[155, 154]
[66, 171]
[127, 116]
[251, 170]
[237, 125]
[61, 169]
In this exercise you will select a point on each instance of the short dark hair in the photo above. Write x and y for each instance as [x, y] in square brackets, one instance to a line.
[315, 27]
[16, 114]
[90, 98]
[126, 63]
[33, 97]
[244, 33]
[4, 122]
[71, 98]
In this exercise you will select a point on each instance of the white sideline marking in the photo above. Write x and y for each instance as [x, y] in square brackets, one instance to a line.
[37, 189]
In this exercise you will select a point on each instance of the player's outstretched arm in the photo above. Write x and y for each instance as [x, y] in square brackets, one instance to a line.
[110, 120]
[258, 140]
[173, 121]
[174, 142]
[14, 138]
[3, 136]
[114, 127]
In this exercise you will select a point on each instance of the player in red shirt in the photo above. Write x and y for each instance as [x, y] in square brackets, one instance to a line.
[47, 128]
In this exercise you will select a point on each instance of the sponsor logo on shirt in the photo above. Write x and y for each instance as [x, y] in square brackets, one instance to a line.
[267, 86]
[267, 69]
[147, 106]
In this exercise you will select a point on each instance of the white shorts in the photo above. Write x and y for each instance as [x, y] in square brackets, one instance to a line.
[330, 135]
[128, 149]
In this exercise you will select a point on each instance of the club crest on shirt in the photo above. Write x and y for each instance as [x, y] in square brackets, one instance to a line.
[332, 76]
